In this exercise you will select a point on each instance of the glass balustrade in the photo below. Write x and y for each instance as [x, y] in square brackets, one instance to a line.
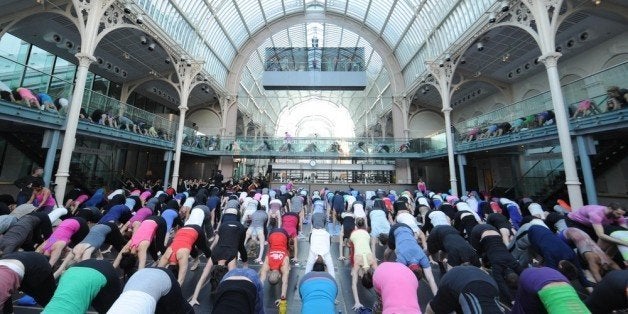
[583, 97]
[95, 107]
[108, 111]
[111, 112]
[333, 147]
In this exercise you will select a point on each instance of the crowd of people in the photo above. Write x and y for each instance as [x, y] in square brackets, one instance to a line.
[493, 255]
[616, 99]
[112, 117]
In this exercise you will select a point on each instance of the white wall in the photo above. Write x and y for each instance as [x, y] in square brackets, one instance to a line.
[608, 53]
[207, 121]
[425, 123]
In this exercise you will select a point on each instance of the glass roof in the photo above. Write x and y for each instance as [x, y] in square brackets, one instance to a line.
[253, 97]
[215, 30]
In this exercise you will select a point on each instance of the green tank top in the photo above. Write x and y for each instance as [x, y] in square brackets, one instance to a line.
[77, 288]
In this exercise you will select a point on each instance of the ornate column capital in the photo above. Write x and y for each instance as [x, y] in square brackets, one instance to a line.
[550, 59]
[85, 59]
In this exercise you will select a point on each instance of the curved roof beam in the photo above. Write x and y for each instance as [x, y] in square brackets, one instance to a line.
[379, 45]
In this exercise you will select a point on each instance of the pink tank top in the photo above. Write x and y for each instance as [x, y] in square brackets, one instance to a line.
[145, 232]
[50, 201]
[82, 198]
[64, 232]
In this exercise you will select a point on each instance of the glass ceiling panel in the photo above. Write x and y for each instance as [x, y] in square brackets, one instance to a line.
[232, 23]
[396, 26]
[250, 10]
[357, 9]
[191, 24]
[377, 14]
[272, 8]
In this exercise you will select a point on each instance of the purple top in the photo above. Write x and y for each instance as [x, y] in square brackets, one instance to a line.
[593, 214]
[531, 281]
[141, 215]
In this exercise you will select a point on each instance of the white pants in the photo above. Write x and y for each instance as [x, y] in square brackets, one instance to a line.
[329, 262]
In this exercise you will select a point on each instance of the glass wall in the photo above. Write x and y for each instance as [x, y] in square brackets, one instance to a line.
[63, 76]
[39, 62]
[47, 73]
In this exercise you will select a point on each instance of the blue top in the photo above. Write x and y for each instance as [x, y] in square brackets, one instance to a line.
[96, 199]
[338, 203]
[114, 214]
[213, 202]
[252, 275]
[407, 249]
[44, 98]
[550, 247]
[318, 293]
[169, 215]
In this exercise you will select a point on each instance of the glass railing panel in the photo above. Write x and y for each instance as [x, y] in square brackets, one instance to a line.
[93, 103]
[324, 146]
[126, 117]
[593, 88]
[14, 75]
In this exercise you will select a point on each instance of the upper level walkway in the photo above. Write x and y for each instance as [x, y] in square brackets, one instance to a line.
[304, 148]
[527, 121]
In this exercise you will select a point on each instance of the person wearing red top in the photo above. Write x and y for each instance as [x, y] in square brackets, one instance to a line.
[277, 264]
[290, 223]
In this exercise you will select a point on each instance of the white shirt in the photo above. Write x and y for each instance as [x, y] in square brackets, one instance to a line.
[320, 242]
[358, 211]
[406, 218]
[438, 218]
[196, 217]
[189, 202]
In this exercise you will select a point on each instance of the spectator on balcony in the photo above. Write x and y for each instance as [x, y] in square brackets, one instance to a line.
[5, 89]
[489, 132]
[617, 98]
[472, 134]
[405, 147]
[24, 94]
[126, 123]
[84, 116]
[502, 128]
[584, 108]
[61, 104]
[517, 125]
[546, 118]
[152, 131]
[530, 121]
[7, 96]
[46, 102]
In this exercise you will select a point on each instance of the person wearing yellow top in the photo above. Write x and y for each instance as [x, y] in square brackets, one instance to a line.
[364, 262]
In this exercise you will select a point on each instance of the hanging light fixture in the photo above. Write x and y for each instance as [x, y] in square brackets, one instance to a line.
[597, 2]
